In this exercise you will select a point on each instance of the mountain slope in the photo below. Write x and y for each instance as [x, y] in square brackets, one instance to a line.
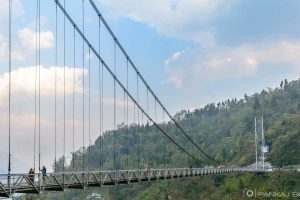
[225, 130]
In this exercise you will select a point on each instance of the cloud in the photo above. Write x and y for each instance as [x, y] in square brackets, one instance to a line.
[28, 38]
[3, 47]
[23, 40]
[174, 57]
[213, 22]
[24, 44]
[181, 19]
[197, 66]
[22, 138]
[17, 9]
[119, 102]
[89, 56]
[23, 81]
[16, 55]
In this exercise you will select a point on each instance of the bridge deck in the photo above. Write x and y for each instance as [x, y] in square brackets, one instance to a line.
[22, 183]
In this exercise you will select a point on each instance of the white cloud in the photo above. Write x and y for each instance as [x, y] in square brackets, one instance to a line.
[119, 102]
[176, 80]
[28, 38]
[23, 137]
[23, 40]
[17, 54]
[3, 47]
[88, 56]
[197, 66]
[181, 19]
[17, 9]
[23, 81]
[24, 44]
[174, 57]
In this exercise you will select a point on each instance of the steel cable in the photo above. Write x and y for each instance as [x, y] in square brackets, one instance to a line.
[121, 85]
[147, 85]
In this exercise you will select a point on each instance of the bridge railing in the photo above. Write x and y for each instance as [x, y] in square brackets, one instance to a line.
[36, 183]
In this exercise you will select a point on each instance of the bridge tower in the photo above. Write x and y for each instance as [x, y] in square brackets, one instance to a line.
[260, 148]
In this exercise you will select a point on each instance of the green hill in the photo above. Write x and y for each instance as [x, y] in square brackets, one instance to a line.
[225, 130]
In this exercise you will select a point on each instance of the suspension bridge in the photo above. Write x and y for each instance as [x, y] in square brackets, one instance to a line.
[134, 105]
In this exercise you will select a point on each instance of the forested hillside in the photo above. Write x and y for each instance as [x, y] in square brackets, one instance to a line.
[225, 130]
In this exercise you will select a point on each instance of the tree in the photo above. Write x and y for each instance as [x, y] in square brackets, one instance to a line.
[256, 104]
[246, 97]
[286, 83]
[281, 84]
[274, 103]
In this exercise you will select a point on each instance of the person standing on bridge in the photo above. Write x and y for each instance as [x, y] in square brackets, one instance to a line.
[44, 174]
[31, 175]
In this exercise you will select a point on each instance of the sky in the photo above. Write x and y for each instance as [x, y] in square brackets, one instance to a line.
[191, 52]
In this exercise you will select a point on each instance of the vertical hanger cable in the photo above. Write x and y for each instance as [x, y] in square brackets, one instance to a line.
[74, 71]
[35, 87]
[64, 139]
[83, 70]
[124, 137]
[39, 61]
[138, 123]
[127, 115]
[55, 92]
[114, 137]
[102, 117]
[164, 141]
[147, 132]
[89, 148]
[9, 93]
[100, 92]
[155, 117]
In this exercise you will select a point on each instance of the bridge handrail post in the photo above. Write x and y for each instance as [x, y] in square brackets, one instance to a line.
[9, 183]
[64, 181]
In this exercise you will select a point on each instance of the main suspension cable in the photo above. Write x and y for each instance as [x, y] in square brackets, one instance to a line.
[146, 84]
[121, 85]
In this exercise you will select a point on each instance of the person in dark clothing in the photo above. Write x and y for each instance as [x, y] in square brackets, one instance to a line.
[44, 174]
[31, 175]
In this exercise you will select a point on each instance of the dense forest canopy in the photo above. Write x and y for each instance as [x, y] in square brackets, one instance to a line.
[225, 130]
